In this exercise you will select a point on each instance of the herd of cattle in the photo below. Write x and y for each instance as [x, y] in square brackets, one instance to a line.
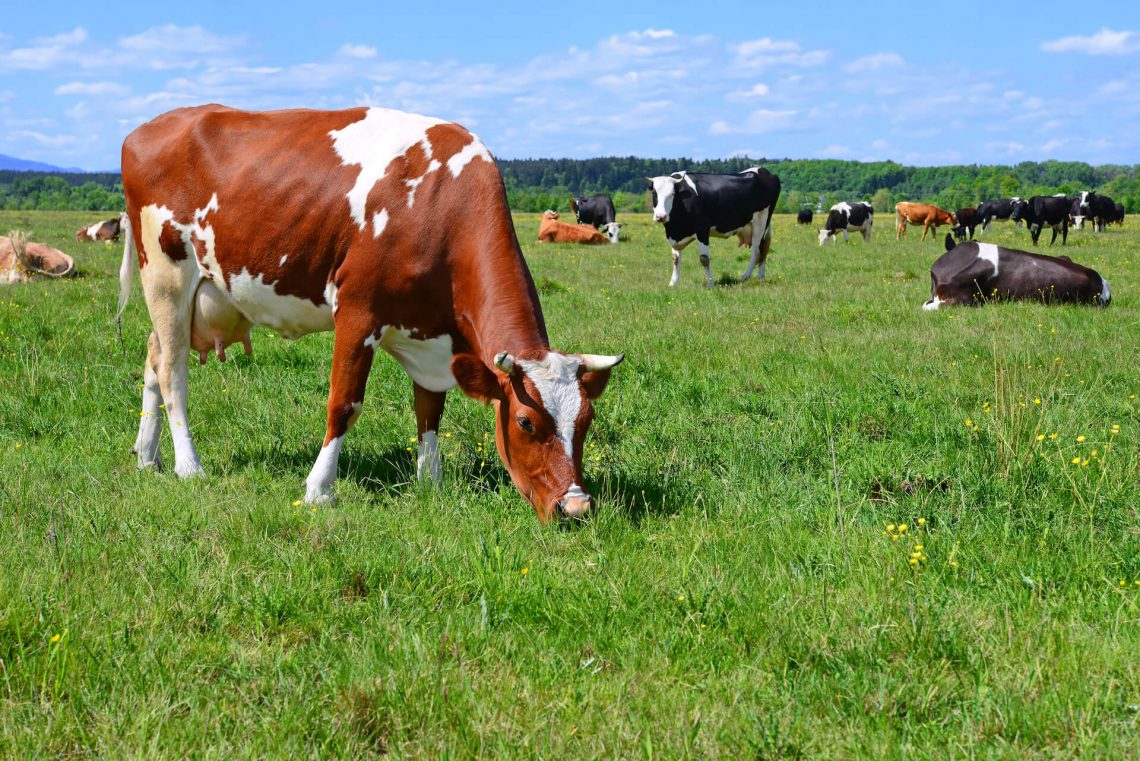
[333, 239]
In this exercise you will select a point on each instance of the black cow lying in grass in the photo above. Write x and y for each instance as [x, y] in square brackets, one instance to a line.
[972, 273]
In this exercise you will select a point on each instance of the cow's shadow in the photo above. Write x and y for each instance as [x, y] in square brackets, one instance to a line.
[640, 497]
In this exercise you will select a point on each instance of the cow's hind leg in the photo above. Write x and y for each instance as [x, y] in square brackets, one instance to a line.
[150, 416]
[706, 262]
[676, 267]
[761, 242]
[429, 411]
[353, 350]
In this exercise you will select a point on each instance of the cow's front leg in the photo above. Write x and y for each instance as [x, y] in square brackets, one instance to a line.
[845, 238]
[429, 410]
[676, 267]
[706, 262]
[173, 370]
[353, 351]
[925, 228]
[150, 416]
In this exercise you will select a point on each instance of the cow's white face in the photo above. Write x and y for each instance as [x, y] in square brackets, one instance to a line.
[664, 191]
[613, 230]
[823, 237]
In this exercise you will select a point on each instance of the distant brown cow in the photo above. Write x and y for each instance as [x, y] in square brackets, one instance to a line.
[106, 231]
[923, 214]
[41, 258]
[553, 231]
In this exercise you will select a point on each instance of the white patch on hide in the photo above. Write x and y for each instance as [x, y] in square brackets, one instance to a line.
[556, 378]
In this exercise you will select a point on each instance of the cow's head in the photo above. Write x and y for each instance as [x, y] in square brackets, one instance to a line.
[664, 189]
[550, 214]
[613, 231]
[1018, 212]
[543, 411]
[823, 235]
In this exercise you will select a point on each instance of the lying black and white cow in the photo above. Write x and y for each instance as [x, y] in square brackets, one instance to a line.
[804, 217]
[1090, 206]
[1045, 211]
[975, 273]
[597, 210]
[1000, 209]
[848, 217]
[697, 206]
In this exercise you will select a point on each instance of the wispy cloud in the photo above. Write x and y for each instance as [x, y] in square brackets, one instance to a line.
[875, 62]
[1104, 42]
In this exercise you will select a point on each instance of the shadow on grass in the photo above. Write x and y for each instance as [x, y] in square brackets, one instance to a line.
[640, 496]
[383, 471]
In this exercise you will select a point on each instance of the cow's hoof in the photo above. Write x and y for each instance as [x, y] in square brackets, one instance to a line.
[155, 464]
[189, 471]
[318, 496]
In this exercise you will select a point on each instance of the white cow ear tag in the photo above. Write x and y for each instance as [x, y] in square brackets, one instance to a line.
[506, 363]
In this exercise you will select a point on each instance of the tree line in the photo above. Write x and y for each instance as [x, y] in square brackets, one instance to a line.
[538, 184]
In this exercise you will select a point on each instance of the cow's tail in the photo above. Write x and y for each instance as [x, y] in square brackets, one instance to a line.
[126, 274]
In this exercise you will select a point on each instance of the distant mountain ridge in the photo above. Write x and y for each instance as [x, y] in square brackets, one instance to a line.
[25, 165]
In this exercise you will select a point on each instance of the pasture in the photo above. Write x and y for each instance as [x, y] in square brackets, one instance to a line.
[744, 590]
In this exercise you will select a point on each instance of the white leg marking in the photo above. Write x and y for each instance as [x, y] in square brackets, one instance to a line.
[705, 262]
[318, 486]
[759, 226]
[933, 304]
[186, 462]
[676, 268]
[427, 458]
[150, 423]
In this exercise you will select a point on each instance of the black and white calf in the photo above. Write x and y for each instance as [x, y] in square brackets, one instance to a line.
[848, 217]
[974, 273]
[697, 206]
[1045, 211]
[597, 210]
[1002, 208]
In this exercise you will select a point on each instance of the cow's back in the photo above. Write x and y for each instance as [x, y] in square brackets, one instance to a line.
[295, 200]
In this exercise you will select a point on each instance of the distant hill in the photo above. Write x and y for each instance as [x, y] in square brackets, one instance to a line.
[24, 165]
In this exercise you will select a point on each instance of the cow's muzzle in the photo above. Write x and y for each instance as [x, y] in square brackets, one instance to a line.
[574, 505]
[660, 217]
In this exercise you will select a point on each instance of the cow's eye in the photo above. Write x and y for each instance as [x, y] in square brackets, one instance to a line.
[525, 424]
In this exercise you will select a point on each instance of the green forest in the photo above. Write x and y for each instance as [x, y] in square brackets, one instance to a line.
[538, 184]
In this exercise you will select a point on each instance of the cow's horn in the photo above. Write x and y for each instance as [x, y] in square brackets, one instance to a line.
[595, 362]
[505, 362]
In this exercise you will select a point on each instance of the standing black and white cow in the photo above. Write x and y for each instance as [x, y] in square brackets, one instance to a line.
[597, 210]
[697, 206]
[848, 217]
[975, 273]
[1117, 214]
[1045, 211]
[804, 217]
[1000, 209]
[1090, 206]
[967, 223]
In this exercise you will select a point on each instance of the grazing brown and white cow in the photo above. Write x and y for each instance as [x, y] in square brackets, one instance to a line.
[975, 273]
[106, 231]
[309, 221]
[924, 214]
[552, 230]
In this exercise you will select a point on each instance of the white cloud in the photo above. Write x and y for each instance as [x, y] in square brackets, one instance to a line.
[1104, 42]
[767, 52]
[834, 151]
[758, 90]
[758, 122]
[875, 62]
[92, 89]
[357, 51]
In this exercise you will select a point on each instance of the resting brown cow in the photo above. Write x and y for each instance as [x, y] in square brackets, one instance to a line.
[923, 214]
[553, 231]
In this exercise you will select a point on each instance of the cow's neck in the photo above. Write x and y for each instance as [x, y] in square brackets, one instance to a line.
[497, 308]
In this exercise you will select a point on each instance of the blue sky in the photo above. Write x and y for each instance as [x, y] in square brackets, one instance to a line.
[916, 83]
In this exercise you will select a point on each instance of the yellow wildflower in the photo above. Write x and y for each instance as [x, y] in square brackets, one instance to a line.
[524, 571]
[1080, 439]
[921, 521]
[1040, 437]
[296, 503]
[1075, 460]
[57, 637]
[890, 527]
[902, 527]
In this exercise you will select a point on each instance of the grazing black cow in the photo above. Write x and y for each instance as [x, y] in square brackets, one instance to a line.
[974, 273]
[1092, 206]
[1117, 214]
[1003, 208]
[804, 217]
[967, 221]
[597, 210]
[697, 206]
[1042, 211]
[845, 217]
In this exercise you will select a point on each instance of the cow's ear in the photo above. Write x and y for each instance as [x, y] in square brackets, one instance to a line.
[595, 374]
[476, 379]
[949, 241]
[649, 182]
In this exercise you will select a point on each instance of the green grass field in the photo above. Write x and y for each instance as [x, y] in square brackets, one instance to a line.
[744, 589]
